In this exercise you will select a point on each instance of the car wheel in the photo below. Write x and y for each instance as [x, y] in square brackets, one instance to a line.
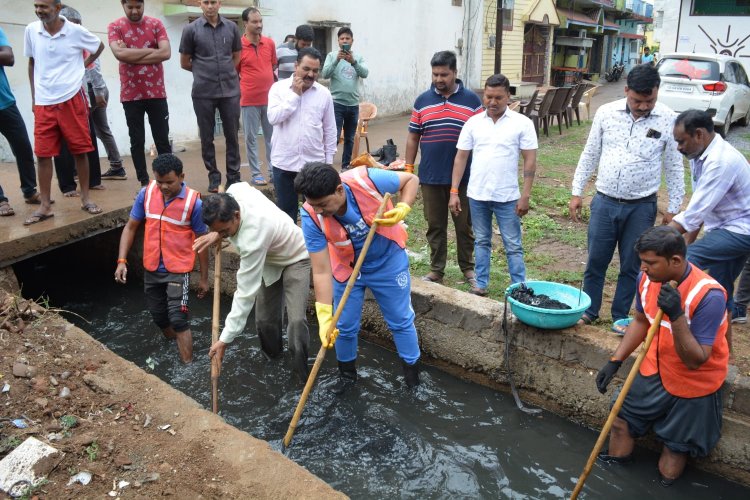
[745, 120]
[727, 123]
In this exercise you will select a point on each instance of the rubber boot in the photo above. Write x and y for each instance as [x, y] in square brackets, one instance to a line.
[390, 154]
[411, 374]
[347, 377]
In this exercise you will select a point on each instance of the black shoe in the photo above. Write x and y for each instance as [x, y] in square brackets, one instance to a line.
[411, 374]
[115, 174]
[347, 377]
[609, 459]
[665, 481]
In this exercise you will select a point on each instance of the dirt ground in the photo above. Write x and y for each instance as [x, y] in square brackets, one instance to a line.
[113, 423]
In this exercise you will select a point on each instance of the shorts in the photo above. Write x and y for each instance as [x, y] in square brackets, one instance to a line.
[685, 425]
[167, 299]
[67, 120]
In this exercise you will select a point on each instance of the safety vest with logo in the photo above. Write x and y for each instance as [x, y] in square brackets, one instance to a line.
[368, 200]
[662, 357]
[169, 232]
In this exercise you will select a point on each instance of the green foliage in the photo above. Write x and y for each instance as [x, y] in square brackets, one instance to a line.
[68, 422]
[31, 490]
[92, 451]
[8, 444]
[538, 226]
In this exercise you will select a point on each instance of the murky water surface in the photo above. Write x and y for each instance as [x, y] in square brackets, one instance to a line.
[447, 439]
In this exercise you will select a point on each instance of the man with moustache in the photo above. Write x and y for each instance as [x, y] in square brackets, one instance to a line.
[304, 126]
[287, 52]
[495, 138]
[141, 45]
[256, 69]
[438, 115]
[629, 145]
[720, 202]
[210, 48]
[55, 48]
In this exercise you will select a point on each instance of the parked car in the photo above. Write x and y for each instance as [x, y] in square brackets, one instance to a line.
[709, 82]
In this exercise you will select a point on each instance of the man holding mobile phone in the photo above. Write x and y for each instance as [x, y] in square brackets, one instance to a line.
[345, 70]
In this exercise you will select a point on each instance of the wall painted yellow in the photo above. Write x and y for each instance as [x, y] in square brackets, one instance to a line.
[512, 53]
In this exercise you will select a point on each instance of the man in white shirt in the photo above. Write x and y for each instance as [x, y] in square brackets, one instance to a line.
[304, 126]
[630, 143]
[274, 270]
[495, 137]
[55, 48]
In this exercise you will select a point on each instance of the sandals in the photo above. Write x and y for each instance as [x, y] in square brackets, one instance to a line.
[432, 278]
[259, 180]
[621, 325]
[585, 320]
[72, 194]
[91, 208]
[36, 217]
[35, 199]
[6, 210]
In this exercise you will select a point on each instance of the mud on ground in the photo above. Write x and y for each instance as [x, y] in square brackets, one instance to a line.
[113, 423]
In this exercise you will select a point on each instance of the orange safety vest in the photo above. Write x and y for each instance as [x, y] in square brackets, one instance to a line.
[169, 232]
[662, 357]
[368, 200]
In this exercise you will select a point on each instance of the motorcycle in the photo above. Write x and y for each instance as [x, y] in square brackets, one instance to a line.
[614, 73]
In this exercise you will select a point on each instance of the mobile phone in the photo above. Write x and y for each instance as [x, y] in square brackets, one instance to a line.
[346, 47]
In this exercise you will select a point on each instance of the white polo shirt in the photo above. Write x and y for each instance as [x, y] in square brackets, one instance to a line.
[58, 60]
[495, 148]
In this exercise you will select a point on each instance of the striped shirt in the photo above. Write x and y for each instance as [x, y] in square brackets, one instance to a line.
[286, 53]
[721, 190]
[439, 120]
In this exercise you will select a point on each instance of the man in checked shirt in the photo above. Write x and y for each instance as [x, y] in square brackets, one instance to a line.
[631, 143]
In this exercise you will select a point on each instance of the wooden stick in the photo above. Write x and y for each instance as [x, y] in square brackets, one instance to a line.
[215, 363]
[339, 309]
[618, 404]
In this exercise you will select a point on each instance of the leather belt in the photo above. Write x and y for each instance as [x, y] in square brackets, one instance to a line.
[646, 199]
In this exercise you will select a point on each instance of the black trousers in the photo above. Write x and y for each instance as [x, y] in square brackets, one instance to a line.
[158, 118]
[65, 165]
[229, 111]
[14, 130]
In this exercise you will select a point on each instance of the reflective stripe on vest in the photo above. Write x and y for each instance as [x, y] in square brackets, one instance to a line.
[368, 198]
[662, 357]
[169, 232]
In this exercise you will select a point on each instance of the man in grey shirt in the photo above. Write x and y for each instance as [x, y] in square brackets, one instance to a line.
[210, 48]
[286, 53]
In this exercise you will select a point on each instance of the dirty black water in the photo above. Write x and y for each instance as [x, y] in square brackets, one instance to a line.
[447, 439]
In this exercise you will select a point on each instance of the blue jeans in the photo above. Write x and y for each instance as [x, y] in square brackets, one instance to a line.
[346, 117]
[391, 287]
[510, 229]
[614, 224]
[286, 198]
[722, 254]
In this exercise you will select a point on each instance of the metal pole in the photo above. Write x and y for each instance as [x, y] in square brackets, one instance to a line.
[499, 37]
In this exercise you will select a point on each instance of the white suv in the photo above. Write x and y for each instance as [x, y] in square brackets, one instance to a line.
[709, 82]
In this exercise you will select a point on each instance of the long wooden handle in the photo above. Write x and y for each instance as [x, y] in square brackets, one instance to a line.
[339, 309]
[618, 403]
[215, 363]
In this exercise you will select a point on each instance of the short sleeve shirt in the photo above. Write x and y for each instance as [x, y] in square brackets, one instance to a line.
[139, 81]
[6, 96]
[58, 60]
[256, 71]
[211, 49]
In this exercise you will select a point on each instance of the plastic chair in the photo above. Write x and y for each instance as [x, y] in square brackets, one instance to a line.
[574, 102]
[528, 106]
[558, 106]
[585, 103]
[367, 112]
[541, 116]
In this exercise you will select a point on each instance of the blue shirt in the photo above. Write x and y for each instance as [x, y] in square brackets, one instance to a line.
[6, 96]
[381, 247]
[439, 120]
[138, 212]
[707, 316]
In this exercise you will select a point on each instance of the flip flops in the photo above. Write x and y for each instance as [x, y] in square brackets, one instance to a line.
[36, 217]
[585, 320]
[91, 208]
[258, 180]
[6, 210]
[621, 325]
[35, 199]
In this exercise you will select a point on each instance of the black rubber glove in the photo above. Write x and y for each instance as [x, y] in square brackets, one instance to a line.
[605, 375]
[670, 302]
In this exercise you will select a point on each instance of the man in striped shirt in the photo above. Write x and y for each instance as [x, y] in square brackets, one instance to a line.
[286, 53]
[438, 116]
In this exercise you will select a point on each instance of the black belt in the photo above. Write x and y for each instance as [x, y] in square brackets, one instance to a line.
[646, 199]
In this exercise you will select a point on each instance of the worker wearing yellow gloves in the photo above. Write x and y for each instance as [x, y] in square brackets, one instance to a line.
[336, 218]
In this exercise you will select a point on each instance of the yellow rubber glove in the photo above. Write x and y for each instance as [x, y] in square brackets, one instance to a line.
[394, 215]
[325, 316]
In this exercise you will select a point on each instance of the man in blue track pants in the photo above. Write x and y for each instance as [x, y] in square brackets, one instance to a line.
[336, 218]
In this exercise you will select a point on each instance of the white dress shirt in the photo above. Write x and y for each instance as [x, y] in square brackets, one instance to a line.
[304, 127]
[268, 241]
[495, 147]
[629, 153]
[721, 190]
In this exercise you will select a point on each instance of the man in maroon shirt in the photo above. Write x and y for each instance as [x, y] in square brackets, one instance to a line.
[141, 44]
[256, 69]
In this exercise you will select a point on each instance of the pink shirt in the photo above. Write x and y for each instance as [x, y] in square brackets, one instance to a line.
[140, 81]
